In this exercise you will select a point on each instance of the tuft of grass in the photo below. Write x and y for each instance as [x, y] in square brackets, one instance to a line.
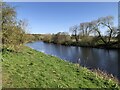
[33, 69]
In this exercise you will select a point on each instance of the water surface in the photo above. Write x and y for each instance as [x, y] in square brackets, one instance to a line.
[105, 60]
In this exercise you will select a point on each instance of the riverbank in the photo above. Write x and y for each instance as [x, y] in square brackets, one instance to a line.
[86, 45]
[32, 69]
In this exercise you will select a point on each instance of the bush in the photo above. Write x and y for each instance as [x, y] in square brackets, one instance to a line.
[13, 33]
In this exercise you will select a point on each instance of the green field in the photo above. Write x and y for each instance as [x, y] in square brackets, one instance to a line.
[32, 69]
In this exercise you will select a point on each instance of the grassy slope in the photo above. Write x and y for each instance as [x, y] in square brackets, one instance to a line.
[31, 69]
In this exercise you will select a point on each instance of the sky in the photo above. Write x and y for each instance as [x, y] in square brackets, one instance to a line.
[53, 17]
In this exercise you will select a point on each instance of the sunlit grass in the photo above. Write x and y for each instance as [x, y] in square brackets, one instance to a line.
[31, 69]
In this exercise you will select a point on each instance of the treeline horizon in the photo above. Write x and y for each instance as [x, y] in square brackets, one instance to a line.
[88, 34]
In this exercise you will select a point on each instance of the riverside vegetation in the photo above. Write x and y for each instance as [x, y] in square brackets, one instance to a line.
[89, 34]
[29, 68]
[23, 67]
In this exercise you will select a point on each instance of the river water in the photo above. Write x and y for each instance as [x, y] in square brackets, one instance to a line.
[93, 58]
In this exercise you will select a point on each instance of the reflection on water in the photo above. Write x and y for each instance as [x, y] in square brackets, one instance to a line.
[106, 60]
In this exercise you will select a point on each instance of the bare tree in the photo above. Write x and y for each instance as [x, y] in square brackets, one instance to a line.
[85, 28]
[95, 28]
[108, 22]
[104, 22]
[74, 29]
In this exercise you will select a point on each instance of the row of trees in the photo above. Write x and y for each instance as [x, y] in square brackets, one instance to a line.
[93, 28]
[89, 33]
[59, 38]
[13, 32]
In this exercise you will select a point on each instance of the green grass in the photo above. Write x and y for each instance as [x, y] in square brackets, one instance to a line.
[33, 69]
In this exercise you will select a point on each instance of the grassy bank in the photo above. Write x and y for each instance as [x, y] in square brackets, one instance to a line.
[29, 68]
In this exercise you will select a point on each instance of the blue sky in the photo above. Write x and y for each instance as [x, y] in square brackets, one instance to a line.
[53, 17]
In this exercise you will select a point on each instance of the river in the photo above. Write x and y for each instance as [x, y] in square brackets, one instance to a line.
[93, 58]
